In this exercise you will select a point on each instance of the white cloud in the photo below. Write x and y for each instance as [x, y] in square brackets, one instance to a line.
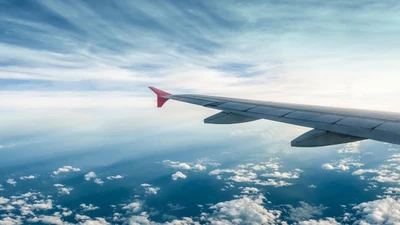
[93, 175]
[199, 167]
[90, 175]
[81, 217]
[98, 181]
[327, 166]
[283, 175]
[3, 200]
[30, 177]
[243, 211]
[392, 190]
[1, 188]
[247, 176]
[133, 207]
[342, 165]
[66, 169]
[177, 165]
[178, 175]
[383, 175]
[63, 190]
[152, 190]
[149, 189]
[379, 212]
[250, 190]
[43, 205]
[115, 177]
[12, 182]
[184, 166]
[351, 148]
[86, 220]
[10, 221]
[273, 182]
[143, 219]
[312, 186]
[327, 221]
[89, 207]
[56, 220]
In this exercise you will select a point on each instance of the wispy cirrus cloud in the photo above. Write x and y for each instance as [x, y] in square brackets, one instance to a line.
[265, 50]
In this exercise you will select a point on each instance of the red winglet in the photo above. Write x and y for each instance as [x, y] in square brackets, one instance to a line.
[160, 94]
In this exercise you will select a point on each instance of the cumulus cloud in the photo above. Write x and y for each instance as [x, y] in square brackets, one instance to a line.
[199, 167]
[1, 188]
[342, 165]
[115, 177]
[85, 220]
[90, 175]
[245, 175]
[382, 175]
[184, 166]
[3, 200]
[243, 211]
[89, 207]
[47, 220]
[327, 166]
[149, 189]
[10, 221]
[327, 221]
[351, 148]
[66, 169]
[63, 190]
[283, 175]
[98, 181]
[379, 212]
[392, 190]
[133, 207]
[178, 175]
[250, 190]
[12, 182]
[30, 177]
[143, 219]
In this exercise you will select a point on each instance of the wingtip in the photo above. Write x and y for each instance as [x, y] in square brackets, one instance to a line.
[160, 94]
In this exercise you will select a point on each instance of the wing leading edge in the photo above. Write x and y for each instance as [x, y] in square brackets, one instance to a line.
[331, 125]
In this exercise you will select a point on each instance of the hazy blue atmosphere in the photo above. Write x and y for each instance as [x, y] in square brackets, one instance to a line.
[82, 142]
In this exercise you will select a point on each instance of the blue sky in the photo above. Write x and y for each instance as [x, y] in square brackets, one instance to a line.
[320, 52]
[69, 64]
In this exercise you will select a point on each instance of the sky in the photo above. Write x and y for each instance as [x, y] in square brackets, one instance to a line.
[82, 54]
[82, 61]
[76, 112]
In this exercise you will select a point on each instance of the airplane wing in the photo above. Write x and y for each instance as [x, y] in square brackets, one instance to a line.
[331, 125]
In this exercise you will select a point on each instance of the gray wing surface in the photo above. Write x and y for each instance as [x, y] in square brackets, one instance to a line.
[331, 125]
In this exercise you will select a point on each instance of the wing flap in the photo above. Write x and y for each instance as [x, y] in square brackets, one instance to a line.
[320, 138]
[228, 118]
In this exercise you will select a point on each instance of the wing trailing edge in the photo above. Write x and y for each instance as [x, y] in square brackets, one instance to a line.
[320, 138]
